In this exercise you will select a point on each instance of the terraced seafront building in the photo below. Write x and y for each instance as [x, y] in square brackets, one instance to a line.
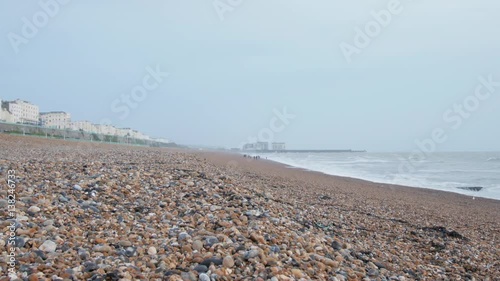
[84, 126]
[55, 119]
[26, 113]
[23, 112]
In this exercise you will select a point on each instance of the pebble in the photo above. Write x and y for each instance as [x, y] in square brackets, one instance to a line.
[130, 251]
[373, 272]
[228, 262]
[210, 261]
[201, 268]
[275, 249]
[48, 246]
[197, 245]
[189, 276]
[253, 213]
[83, 254]
[211, 240]
[90, 267]
[204, 277]
[251, 254]
[152, 251]
[336, 245]
[183, 236]
[297, 273]
[102, 248]
[34, 209]
[125, 243]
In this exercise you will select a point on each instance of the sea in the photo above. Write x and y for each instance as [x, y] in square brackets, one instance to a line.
[448, 171]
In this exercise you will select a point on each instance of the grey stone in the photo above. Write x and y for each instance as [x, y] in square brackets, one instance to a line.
[253, 213]
[209, 261]
[275, 249]
[90, 266]
[189, 276]
[211, 240]
[373, 272]
[183, 236]
[201, 268]
[3, 203]
[33, 209]
[130, 252]
[336, 245]
[204, 277]
[251, 254]
[48, 246]
[83, 254]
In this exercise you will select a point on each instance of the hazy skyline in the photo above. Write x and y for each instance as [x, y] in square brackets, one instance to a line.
[227, 78]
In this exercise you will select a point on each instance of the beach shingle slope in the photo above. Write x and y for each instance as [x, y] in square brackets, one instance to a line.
[104, 212]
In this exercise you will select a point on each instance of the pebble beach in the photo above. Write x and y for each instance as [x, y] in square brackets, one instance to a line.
[91, 211]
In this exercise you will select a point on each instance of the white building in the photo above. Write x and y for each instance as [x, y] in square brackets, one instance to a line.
[5, 115]
[161, 140]
[144, 137]
[138, 135]
[24, 112]
[135, 134]
[55, 119]
[85, 126]
[105, 129]
[128, 132]
[122, 132]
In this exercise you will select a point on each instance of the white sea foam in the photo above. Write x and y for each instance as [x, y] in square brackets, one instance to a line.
[440, 171]
[493, 159]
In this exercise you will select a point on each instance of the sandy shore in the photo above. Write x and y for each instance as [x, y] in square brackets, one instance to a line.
[108, 212]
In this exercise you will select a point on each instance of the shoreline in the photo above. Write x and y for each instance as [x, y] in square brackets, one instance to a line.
[102, 211]
[371, 181]
[365, 181]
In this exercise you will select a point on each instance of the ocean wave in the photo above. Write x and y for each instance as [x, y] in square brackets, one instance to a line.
[369, 161]
[459, 176]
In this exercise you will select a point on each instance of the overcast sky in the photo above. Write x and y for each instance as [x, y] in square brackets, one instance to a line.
[228, 77]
